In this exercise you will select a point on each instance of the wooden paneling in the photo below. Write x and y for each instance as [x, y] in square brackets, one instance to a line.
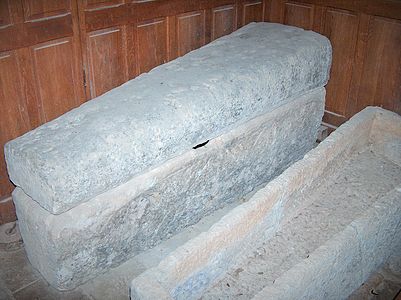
[31, 33]
[300, 15]
[14, 119]
[106, 60]
[40, 71]
[56, 77]
[252, 11]
[341, 27]
[190, 31]
[96, 4]
[5, 18]
[366, 41]
[380, 83]
[39, 9]
[156, 31]
[151, 44]
[223, 21]
[385, 8]
[333, 120]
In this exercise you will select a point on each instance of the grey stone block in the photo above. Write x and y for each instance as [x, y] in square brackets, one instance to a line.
[74, 246]
[340, 266]
[337, 266]
[162, 114]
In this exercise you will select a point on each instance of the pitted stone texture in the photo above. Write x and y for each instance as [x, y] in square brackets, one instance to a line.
[72, 247]
[341, 265]
[193, 267]
[164, 113]
[359, 184]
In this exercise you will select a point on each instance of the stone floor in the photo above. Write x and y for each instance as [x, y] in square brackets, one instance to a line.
[18, 279]
[382, 285]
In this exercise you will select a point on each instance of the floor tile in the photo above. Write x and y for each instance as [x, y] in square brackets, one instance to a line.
[5, 293]
[16, 271]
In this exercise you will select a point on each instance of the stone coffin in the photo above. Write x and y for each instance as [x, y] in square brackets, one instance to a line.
[238, 257]
[118, 174]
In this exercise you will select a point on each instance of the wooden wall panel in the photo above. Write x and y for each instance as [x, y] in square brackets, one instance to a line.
[380, 83]
[106, 60]
[158, 31]
[40, 72]
[55, 77]
[34, 32]
[5, 18]
[190, 31]
[96, 4]
[39, 9]
[151, 44]
[366, 41]
[252, 11]
[300, 15]
[14, 119]
[384, 8]
[223, 21]
[341, 27]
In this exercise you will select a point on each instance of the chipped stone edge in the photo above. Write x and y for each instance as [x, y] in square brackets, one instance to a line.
[184, 273]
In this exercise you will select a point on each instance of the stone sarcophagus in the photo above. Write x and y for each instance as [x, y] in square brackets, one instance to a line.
[122, 172]
[316, 231]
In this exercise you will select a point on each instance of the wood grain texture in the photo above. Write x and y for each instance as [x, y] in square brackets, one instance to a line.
[14, 119]
[341, 27]
[380, 84]
[106, 60]
[223, 21]
[97, 4]
[190, 30]
[5, 15]
[55, 77]
[300, 15]
[40, 71]
[333, 119]
[366, 41]
[39, 9]
[32, 33]
[252, 11]
[384, 8]
[151, 43]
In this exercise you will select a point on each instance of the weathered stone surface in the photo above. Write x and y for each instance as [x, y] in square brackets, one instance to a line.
[340, 266]
[76, 245]
[159, 115]
[335, 268]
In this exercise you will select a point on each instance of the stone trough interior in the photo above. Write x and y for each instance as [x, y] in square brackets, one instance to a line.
[339, 222]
